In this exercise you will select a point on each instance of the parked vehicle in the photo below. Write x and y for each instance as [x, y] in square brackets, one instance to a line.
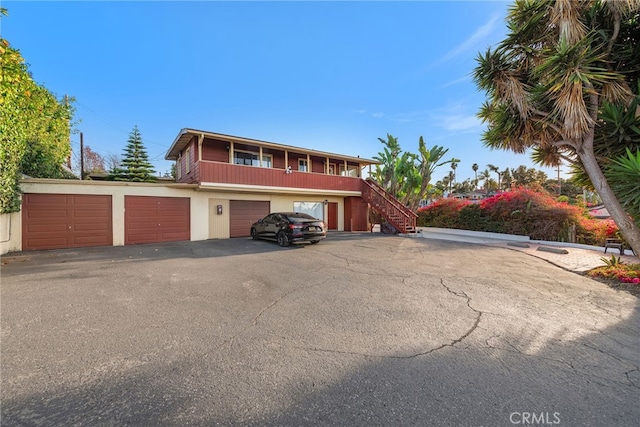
[289, 227]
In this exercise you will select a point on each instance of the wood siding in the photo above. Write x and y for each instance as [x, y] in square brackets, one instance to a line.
[215, 150]
[278, 158]
[59, 221]
[156, 219]
[248, 175]
[317, 164]
[215, 156]
[355, 214]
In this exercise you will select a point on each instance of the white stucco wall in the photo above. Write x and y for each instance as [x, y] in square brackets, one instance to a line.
[10, 232]
[205, 222]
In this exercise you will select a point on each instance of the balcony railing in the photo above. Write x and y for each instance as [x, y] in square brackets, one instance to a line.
[226, 173]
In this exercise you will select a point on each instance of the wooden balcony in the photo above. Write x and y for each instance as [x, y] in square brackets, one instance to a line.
[225, 173]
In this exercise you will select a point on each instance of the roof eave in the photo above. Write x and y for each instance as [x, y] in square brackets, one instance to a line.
[186, 134]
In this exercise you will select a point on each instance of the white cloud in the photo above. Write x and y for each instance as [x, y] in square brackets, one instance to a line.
[471, 43]
[456, 118]
[411, 116]
[480, 34]
[455, 82]
[461, 122]
[377, 115]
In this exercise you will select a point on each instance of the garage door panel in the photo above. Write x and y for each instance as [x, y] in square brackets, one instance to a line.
[45, 229]
[89, 213]
[58, 221]
[48, 243]
[243, 213]
[90, 228]
[45, 199]
[142, 237]
[87, 200]
[157, 219]
[88, 240]
[48, 214]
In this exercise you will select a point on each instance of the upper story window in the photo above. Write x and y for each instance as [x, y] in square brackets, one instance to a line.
[249, 158]
[179, 167]
[303, 166]
[187, 155]
[350, 171]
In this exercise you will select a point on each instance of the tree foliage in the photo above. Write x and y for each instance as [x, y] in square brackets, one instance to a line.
[93, 162]
[624, 175]
[34, 129]
[135, 165]
[549, 83]
[406, 175]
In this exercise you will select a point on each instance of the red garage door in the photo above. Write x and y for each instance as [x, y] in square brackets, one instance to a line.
[243, 213]
[156, 219]
[58, 221]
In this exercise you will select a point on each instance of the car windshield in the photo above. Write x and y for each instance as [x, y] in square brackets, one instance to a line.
[300, 217]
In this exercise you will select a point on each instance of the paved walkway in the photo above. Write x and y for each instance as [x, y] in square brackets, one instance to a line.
[579, 258]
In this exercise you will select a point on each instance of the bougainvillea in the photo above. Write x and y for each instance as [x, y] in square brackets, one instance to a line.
[442, 213]
[523, 211]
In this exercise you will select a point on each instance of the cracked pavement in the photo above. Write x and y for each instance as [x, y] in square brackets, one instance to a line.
[362, 329]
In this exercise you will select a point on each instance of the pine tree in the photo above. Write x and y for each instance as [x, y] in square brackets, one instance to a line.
[135, 165]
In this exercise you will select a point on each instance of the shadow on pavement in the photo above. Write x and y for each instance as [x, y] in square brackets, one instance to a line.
[58, 258]
[495, 371]
[459, 384]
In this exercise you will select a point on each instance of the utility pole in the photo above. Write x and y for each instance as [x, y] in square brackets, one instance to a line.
[66, 106]
[559, 182]
[81, 157]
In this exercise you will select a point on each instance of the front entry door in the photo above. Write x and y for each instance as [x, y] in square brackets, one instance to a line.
[332, 216]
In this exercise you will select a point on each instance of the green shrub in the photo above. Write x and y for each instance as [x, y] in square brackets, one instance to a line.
[471, 217]
[442, 213]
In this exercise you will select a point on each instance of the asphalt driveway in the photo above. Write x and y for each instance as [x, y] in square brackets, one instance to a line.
[360, 329]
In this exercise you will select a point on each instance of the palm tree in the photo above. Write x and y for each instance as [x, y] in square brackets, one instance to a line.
[388, 158]
[507, 180]
[454, 166]
[452, 178]
[429, 160]
[406, 175]
[475, 168]
[485, 176]
[495, 169]
[548, 83]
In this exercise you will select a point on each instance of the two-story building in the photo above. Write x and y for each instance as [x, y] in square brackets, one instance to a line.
[245, 179]
[223, 184]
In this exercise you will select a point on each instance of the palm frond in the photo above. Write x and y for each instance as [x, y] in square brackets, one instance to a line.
[565, 15]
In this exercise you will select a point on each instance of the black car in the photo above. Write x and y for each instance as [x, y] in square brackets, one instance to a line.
[289, 227]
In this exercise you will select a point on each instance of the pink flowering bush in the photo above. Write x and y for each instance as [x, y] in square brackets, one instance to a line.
[624, 273]
[524, 211]
[442, 213]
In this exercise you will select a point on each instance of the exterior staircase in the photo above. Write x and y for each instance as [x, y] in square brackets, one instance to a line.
[398, 215]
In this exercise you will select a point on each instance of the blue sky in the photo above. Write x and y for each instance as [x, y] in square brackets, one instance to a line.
[332, 76]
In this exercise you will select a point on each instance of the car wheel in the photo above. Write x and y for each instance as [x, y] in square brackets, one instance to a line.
[313, 242]
[254, 234]
[282, 239]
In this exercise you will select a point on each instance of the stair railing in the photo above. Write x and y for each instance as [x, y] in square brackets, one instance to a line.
[401, 217]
